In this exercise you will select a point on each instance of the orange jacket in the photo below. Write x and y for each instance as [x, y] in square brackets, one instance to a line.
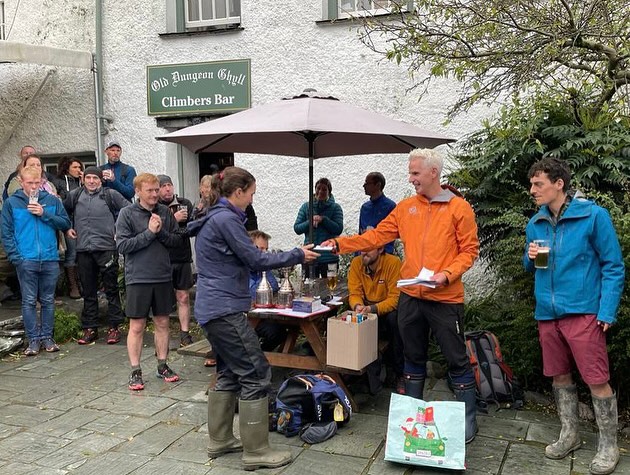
[440, 235]
[378, 289]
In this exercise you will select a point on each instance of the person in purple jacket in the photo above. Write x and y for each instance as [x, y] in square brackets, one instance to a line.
[225, 256]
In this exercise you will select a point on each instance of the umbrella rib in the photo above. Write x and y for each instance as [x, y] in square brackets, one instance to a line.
[219, 140]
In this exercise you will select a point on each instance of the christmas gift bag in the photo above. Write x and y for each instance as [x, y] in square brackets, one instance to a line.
[426, 433]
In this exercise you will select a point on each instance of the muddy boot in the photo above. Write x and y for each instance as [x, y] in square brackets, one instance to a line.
[414, 385]
[254, 428]
[607, 455]
[73, 282]
[221, 406]
[569, 440]
[467, 393]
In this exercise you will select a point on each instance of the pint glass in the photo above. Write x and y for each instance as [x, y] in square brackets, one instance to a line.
[542, 258]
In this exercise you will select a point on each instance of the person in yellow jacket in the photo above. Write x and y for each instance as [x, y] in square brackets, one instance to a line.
[372, 288]
[439, 233]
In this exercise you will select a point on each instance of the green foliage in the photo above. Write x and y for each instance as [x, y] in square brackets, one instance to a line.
[496, 48]
[67, 326]
[494, 162]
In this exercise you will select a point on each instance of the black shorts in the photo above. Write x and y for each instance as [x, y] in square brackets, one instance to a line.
[144, 298]
[182, 276]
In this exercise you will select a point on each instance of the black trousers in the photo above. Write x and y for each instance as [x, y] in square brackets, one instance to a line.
[394, 356]
[241, 364]
[417, 318]
[90, 265]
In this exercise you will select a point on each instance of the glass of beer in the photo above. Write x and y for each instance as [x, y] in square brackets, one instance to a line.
[331, 276]
[542, 258]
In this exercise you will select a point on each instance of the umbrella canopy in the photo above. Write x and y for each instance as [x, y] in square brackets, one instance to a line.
[309, 125]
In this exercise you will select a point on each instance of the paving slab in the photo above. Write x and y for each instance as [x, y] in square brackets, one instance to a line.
[530, 460]
[68, 422]
[485, 455]
[316, 463]
[192, 447]
[499, 428]
[72, 398]
[381, 467]
[110, 463]
[18, 468]
[80, 450]
[120, 425]
[155, 440]
[161, 466]
[26, 416]
[184, 412]
[28, 447]
[131, 403]
[582, 458]
[361, 437]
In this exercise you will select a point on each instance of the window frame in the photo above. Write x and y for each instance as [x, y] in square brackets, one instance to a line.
[228, 20]
[3, 26]
[331, 11]
[177, 13]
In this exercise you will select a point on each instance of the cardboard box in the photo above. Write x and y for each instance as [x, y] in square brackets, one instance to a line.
[307, 304]
[352, 345]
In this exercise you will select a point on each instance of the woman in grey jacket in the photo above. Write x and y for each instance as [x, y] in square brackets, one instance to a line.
[225, 257]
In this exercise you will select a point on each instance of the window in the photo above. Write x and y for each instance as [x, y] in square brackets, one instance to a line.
[334, 9]
[212, 12]
[202, 15]
[2, 24]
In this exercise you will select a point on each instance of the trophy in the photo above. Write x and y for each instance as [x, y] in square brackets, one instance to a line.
[264, 293]
[286, 292]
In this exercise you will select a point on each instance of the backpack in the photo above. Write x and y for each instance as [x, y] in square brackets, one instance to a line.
[105, 193]
[310, 398]
[495, 381]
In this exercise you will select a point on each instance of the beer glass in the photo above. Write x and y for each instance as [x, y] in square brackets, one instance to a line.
[542, 258]
[331, 275]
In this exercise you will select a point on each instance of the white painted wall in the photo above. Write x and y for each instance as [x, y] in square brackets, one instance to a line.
[289, 51]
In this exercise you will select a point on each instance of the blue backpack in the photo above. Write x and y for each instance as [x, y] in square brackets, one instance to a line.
[310, 398]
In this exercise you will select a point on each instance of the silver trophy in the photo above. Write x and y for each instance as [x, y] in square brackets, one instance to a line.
[264, 293]
[286, 292]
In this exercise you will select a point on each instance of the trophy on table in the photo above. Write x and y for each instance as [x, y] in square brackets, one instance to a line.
[264, 293]
[286, 292]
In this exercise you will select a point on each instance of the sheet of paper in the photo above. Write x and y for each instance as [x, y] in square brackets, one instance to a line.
[423, 278]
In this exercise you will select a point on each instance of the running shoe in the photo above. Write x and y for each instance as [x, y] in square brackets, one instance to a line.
[135, 380]
[167, 374]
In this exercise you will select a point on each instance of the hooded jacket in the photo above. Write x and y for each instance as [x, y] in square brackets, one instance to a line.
[586, 269]
[225, 256]
[29, 237]
[330, 227]
[439, 234]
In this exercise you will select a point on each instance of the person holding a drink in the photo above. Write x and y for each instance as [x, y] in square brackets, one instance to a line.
[573, 250]
[116, 174]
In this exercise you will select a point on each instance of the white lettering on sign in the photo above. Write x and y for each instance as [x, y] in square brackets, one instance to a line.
[221, 99]
[158, 84]
[178, 77]
[232, 79]
[172, 101]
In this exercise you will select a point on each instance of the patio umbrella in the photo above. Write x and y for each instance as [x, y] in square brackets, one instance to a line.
[309, 125]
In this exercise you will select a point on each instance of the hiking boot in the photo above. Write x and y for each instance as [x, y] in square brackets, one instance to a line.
[167, 374]
[113, 336]
[135, 380]
[32, 349]
[49, 345]
[90, 335]
[185, 340]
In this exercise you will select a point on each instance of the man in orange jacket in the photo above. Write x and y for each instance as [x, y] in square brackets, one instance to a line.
[438, 230]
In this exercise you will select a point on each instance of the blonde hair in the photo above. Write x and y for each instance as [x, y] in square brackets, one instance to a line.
[430, 157]
[30, 172]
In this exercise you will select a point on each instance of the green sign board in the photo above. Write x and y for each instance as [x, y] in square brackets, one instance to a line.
[196, 88]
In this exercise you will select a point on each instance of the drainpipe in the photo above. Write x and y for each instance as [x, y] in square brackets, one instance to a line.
[98, 79]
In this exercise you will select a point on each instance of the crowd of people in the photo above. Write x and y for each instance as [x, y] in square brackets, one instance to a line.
[82, 219]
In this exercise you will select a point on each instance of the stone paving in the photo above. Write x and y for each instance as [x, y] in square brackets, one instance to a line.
[71, 413]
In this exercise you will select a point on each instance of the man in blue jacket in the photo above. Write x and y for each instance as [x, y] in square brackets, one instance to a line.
[577, 296]
[116, 174]
[30, 221]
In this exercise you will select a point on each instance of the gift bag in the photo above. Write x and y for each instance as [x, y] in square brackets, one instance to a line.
[426, 433]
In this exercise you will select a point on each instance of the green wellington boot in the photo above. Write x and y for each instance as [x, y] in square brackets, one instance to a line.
[221, 405]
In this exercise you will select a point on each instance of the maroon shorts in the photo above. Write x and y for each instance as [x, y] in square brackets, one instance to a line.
[574, 338]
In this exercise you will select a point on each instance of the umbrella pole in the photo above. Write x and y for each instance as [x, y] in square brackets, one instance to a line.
[311, 140]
